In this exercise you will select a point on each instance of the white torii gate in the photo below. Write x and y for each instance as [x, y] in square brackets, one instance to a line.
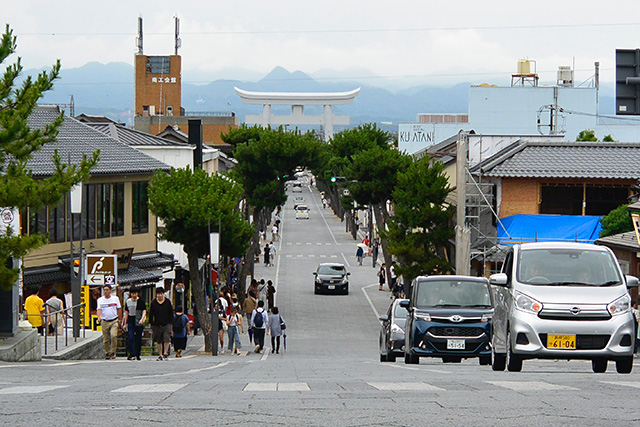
[298, 100]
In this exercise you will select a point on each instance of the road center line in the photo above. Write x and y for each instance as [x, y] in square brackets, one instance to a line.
[315, 201]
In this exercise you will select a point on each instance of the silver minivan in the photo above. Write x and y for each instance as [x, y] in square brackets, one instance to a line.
[562, 301]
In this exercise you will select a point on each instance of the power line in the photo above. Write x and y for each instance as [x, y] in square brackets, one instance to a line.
[348, 30]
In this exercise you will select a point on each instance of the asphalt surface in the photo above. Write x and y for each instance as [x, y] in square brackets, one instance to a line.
[329, 374]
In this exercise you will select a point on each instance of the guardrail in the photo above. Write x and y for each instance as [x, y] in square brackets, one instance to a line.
[61, 316]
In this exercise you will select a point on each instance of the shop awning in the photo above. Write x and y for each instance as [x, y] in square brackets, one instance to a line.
[548, 228]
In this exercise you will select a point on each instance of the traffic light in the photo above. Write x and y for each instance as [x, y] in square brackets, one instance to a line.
[335, 179]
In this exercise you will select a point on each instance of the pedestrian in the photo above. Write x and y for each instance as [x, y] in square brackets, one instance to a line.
[109, 316]
[267, 260]
[161, 319]
[393, 277]
[272, 252]
[262, 292]
[253, 287]
[276, 324]
[359, 254]
[324, 203]
[180, 329]
[56, 317]
[382, 273]
[223, 305]
[271, 290]
[34, 307]
[250, 304]
[135, 314]
[259, 320]
[263, 235]
[274, 232]
[234, 321]
[374, 253]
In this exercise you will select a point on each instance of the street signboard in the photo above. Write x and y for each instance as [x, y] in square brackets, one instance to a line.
[101, 269]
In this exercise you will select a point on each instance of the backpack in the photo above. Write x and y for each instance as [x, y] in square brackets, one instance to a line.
[178, 324]
[258, 319]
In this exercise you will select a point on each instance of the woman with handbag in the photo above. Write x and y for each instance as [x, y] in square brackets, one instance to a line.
[276, 326]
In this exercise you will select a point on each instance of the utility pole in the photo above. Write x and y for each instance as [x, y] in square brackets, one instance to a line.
[462, 231]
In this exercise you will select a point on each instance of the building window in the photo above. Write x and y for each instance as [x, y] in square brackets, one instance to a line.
[117, 209]
[103, 200]
[602, 200]
[561, 199]
[56, 226]
[140, 217]
[158, 65]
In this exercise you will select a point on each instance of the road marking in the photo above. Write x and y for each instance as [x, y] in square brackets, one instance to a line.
[289, 256]
[30, 389]
[530, 385]
[190, 371]
[323, 256]
[370, 302]
[298, 256]
[149, 388]
[276, 387]
[405, 386]
[298, 243]
[264, 356]
[345, 259]
[334, 256]
[320, 243]
[309, 243]
[312, 256]
[623, 383]
[414, 368]
[315, 201]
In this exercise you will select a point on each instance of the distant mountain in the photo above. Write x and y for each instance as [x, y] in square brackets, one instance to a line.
[108, 89]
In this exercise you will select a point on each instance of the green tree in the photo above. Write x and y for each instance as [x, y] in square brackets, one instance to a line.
[188, 203]
[18, 188]
[617, 221]
[586, 135]
[608, 138]
[267, 158]
[420, 228]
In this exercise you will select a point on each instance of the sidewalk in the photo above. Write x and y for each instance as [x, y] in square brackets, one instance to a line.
[88, 346]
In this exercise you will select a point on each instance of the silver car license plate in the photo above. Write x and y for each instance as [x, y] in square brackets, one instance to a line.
[455, 344]
[332, 286]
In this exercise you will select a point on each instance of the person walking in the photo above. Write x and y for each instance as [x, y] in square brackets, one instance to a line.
[267, 259]
[274, 232]
[271, 290]
[359, 254]
[374, 253]
[135, 314]
[223, 306]
[250, 304]
[234, 321]
[161, 319]
[180, 329]
[272, 253]
[393, 277]
[34, 307]
[382, 273]
[56, 318]
[109, 315]
[259, 320]
[275, 329]
[262, 292]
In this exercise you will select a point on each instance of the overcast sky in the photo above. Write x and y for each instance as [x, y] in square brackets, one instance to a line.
[439, 42]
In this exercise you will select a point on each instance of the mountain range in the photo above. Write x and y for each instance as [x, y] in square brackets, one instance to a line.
[108, 89]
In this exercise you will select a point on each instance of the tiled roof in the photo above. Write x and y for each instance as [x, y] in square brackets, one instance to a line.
[625, 241]
[134, 137]
[585, 160]
[76, 139]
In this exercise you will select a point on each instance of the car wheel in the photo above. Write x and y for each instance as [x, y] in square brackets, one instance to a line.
[391, 357]
[315, 291]
[498, 361]
[624, 365]
[484, 360]
[411, 359]
[383, 357]
[599, 365]
[514, 362]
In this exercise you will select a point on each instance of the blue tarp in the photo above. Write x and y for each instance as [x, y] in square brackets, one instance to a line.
[548, 228]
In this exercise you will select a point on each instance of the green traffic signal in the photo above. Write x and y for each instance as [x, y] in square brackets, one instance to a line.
[333, 179]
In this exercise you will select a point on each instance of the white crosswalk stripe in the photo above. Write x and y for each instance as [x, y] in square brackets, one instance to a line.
[404, 386]
[277, 387]
[149, 388]
[623, 383]
[30, 389]
[530, 385]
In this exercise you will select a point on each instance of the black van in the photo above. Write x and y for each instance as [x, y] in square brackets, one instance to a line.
[448, 317]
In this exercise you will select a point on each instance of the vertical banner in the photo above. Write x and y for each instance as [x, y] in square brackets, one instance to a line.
[214, 247]
[85, 298]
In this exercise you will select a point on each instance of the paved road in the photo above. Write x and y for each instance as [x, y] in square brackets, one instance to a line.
[330, 373]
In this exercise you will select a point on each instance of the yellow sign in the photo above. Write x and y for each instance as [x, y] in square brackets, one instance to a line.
[85, 298]
[635, 218]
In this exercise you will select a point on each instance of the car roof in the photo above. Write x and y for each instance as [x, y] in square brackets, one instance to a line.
[451, 277]
[330, 264]
[562, 245]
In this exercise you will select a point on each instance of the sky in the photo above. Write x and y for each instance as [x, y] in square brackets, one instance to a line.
[438, 43]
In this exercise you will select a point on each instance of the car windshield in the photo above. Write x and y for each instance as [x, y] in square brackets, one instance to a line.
[302, 207]
[331, 269]
[452, 293]
[399, 312]
[567, 267]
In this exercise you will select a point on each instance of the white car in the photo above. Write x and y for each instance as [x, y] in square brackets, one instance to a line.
[296, 187]
[298, 200]
[302, 212]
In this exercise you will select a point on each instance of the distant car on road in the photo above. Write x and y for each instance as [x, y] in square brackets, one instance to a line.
[302, 212]
[392, 332]
[449, 317]
[297, 200]
[296, 187]
[331, 277]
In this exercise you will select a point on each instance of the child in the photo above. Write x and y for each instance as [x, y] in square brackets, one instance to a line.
[181, 329]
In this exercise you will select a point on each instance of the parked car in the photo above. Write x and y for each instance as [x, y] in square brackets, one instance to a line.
[392, 332]
[302, 212]
[331, 277]
[448, 317]
[562, 301]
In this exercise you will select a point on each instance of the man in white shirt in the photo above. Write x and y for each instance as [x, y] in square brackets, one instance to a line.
[109, 317]
[274, 232]
[259, 321]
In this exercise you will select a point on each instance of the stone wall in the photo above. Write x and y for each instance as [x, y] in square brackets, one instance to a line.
[23, 347]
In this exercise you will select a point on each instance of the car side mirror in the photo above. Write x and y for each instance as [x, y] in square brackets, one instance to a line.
[349, 274]
[499, 279]
[404, 304]
[384, 318]
[632, 281]
[315, 273]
